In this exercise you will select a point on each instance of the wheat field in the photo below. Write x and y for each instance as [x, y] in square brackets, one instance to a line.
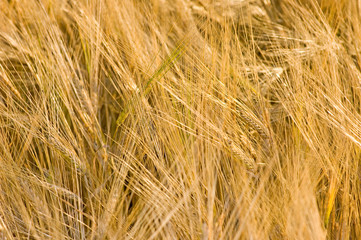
[180, 119]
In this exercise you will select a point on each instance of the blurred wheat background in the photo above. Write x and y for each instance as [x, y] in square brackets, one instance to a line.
[180, 119]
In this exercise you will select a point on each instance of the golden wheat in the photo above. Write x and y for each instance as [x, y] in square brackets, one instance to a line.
[184, 119]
